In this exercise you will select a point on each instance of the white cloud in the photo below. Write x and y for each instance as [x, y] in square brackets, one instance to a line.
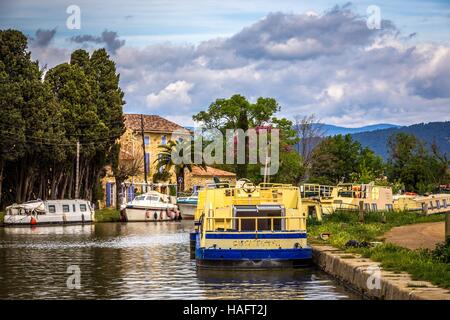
[328, 64]
[175, 93]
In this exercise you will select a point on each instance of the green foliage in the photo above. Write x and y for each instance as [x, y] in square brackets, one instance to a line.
[421, 264]
[107, 215]
[237, 112]
[412, 164]
[441, 252]
[162, 176]
[41, 121]
[341, 159]
[185, 150]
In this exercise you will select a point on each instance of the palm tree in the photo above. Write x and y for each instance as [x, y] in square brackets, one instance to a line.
[185, 151]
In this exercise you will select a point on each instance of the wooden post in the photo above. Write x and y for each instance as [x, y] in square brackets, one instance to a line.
[143, 150]
[361, 211]
[447, 228]
[77, 173]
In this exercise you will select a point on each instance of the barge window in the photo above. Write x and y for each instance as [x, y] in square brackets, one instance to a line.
[82, 207]
[74, 209]
[51, 209]
[444, 203]
[438, 204]
[66, 208]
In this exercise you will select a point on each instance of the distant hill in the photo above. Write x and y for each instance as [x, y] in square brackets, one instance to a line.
[438, 132]
[332, 130]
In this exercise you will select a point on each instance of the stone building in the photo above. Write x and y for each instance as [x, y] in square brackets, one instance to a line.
[200, 177]
[157, 131]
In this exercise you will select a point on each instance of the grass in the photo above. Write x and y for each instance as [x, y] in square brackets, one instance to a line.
[107, 215]
[427, 265]
[2, 216]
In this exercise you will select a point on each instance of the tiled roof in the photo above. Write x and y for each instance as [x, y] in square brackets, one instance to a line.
[152, 123]
[211, 172]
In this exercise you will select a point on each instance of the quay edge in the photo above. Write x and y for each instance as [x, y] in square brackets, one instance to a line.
[354, 273]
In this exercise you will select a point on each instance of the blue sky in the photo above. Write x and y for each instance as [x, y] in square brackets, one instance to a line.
[175, 57]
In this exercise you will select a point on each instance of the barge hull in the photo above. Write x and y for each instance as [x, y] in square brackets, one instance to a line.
[253, 259]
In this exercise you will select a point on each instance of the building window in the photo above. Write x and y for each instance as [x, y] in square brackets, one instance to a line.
[389, 207]
[374, 206]
[147, 161]
[444, 203]
[66, 208]
[366, 206]
[51, 209]
[146, 140]
[161, 168]
[438, 204]
[163, 139]
[83, 208]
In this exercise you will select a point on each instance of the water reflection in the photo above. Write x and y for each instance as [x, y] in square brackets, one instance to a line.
[136, 261]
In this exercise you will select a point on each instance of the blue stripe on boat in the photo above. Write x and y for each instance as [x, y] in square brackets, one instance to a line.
[256, 254]
[256, 236]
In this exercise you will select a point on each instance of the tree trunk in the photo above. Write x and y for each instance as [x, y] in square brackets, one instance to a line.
[1, 181]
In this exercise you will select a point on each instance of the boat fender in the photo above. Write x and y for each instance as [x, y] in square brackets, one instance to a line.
[33, 221]
[155, 215]
[147, 214]
[82, 218]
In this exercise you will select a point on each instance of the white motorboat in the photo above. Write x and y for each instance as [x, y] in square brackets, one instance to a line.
[49, 212]
[151, 206]
[188, 205]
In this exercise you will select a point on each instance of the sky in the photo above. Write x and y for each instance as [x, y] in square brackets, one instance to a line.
[314, 57]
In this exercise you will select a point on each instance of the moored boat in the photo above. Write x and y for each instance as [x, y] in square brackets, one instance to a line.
[427, 204]
[187, 206]
[250, 226]
[150, 206]
[39, 212]
[349, 197]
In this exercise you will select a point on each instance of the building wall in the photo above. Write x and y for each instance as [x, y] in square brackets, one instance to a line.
[132, 142]
[193, 180]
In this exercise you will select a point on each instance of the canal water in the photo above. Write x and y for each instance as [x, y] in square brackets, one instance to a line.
[136, 261]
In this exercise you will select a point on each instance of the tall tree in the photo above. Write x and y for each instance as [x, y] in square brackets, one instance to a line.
[412, 164]
[185, 150]
[237, 112]
[29, 120]
[341, 159]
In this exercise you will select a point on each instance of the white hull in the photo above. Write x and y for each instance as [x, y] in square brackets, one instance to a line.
[187, 210]
[143, 214]
[48, 219]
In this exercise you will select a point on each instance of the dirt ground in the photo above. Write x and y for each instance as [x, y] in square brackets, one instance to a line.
[415, 236]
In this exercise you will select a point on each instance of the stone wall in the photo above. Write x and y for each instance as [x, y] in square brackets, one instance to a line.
[356, 272]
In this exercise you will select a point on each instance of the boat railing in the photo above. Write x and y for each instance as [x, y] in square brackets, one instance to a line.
[316, 190]
[236, 223]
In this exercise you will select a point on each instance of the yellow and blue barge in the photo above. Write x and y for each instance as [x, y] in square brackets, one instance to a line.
[250, 226]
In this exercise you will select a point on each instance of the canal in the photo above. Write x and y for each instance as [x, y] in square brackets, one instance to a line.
[136, 261]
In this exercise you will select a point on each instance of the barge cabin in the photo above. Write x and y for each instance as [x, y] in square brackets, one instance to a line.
[250, 226]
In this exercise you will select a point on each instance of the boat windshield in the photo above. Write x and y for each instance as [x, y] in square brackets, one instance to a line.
[148, 198]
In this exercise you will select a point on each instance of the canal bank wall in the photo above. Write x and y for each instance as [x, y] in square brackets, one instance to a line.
[369, 279]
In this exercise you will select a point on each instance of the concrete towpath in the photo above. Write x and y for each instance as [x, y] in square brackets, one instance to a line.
[415, 236]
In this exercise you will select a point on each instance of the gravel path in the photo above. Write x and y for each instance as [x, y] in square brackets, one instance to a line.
[415, 236]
